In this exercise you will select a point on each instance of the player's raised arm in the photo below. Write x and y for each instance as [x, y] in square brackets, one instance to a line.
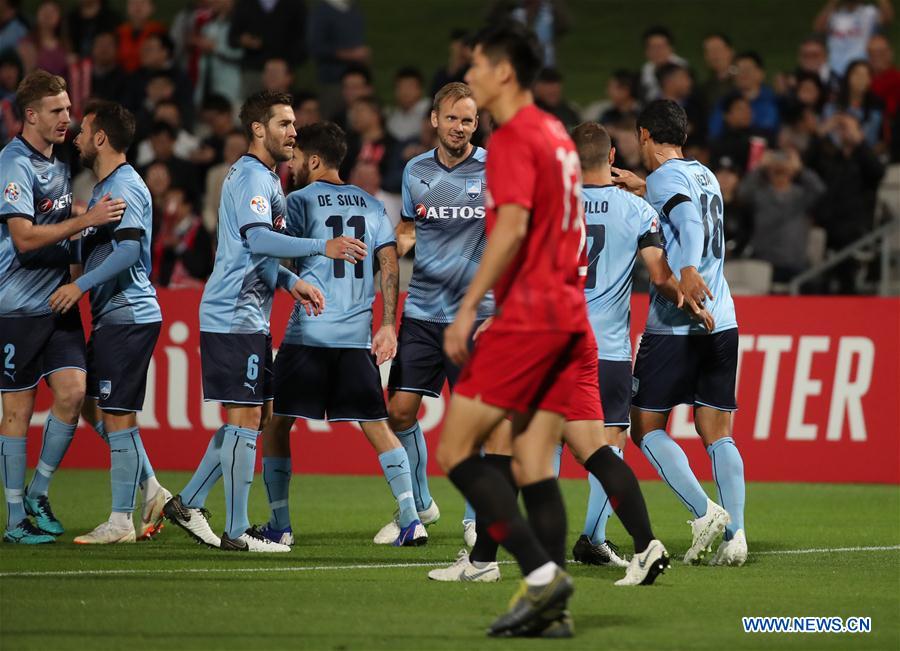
[28, 236]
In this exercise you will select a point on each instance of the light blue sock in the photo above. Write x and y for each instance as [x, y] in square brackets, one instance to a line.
[277, 477]
[728, 471]
[124, 468]
[57, 437]
[469, 513]
[238, 458]
[599, 508]
[100, 428]
[207, 474]
[557, 460]
[395, 465]
[12, 455]
[672, 465]
[146, 469]
[413, 441]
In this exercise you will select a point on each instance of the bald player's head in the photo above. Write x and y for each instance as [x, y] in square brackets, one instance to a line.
[593, 144]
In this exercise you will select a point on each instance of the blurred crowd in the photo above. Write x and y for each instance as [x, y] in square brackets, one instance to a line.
[799, 154]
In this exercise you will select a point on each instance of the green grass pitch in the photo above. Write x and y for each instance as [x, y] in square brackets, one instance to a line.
[172, 594]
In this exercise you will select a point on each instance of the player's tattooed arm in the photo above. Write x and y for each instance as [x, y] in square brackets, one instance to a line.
[406, 237]
[28, 236]
[384, 343]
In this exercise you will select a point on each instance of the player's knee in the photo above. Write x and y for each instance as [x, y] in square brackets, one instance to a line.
[401, 414]
[447, 457]
[67, 401]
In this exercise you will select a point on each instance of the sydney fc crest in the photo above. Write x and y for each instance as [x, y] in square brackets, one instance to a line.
[11, 193]
[473, 188]
[105, 389]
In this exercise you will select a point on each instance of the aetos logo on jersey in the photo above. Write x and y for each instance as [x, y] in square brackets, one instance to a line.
[46, 205]
[449, 212]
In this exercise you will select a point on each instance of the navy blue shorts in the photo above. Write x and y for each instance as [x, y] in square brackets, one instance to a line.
[32, 347]
[334, 383]
[420, 365]
[698, 370]
[118, 357]
[237, 368]
[615, 392]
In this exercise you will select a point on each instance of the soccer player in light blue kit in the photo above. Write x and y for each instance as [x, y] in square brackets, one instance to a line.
[327, 367]
[35, 257]
[679, 361]
[126, 321]
[443, 216]
[235, 343]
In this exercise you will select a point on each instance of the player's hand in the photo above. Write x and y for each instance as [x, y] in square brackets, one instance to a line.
[699, 314]
[694, 289]
[384, 344]
[456, 336]
[629, 181]
[346, 248]
[105, 211]
[482, 328]
[309, 296]
[64, 298]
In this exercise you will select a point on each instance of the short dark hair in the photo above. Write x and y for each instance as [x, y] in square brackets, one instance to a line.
[658, 30]
[164, 40]
[627, 78]
[754, 56]
[303, 96]
[160, 127]
[324, 139]
[666, 121]
[593, 144]
[409, 72]
[37, 85]
[258, 108]
[722, 36]
[549, 75]
[731, 99]
[516, 44]
[666, 70]
[217, 103]
[116, 121]
[357, 69]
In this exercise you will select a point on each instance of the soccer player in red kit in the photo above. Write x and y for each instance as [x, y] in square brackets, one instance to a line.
[526, 365]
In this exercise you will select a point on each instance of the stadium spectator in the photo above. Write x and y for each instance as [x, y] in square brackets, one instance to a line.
[107, 78]
[186, 143]
[885, 75]
[658, 49]
[622, 90]
[86, 22]
[779, 195]
[807, 92]
[235, 147]
[160, 147]
[306, 109]
[851, 172]
[156, 59]
[356, 82]
[277, 76]
[267, 29]
[43, 47]
[458, 60]
[548, 95]
[373, 155]
[857, 99]
[735, 140]
[184, 32]
[219, 67]
[183, 248]
[13, 27]
[132, 33]
[548, 19]
[675, 83]
[404, 119]
[718, 54]
[217, 115]
[11, 73]
[849, 24]
[158, 180]
[337, 39]
[799, 127]
[749, 81]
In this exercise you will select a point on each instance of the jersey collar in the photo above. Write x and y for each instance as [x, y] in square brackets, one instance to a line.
[110, 175]
[597, 187]
[460, 163]
[52, 158]
[256, 158]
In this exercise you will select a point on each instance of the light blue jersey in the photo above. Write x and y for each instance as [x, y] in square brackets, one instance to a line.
[618, 224]
[447, 206]
[129, 297]
[681, 182]
[238, 295]
[325, 210]
[37, 188]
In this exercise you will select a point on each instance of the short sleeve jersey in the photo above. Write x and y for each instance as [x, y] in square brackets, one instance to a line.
[849, 30]
[532, 163]
[678, 181]
[325, 210]
[129, 297]
[618, 224]
[447, 207]
[238, 295]
[36, 188]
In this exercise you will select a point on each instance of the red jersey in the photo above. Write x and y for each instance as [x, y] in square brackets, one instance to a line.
[532, 162]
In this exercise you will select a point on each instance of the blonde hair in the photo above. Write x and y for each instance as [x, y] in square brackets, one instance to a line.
[455, 90]
[37, 85]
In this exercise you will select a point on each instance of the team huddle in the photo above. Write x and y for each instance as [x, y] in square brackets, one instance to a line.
[519, 300]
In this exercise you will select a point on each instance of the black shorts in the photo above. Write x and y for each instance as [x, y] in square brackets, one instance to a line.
[420, 365]
[698, 370]
[615, 392]
[118, 357]
[334, 383]
[32, 347]
[237, 368]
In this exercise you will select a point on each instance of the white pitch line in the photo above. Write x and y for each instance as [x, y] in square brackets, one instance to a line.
[363, 566]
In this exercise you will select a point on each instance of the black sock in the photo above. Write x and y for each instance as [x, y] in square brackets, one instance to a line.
[624, 493]
[485, 548]
[547, 517]
[494, 500]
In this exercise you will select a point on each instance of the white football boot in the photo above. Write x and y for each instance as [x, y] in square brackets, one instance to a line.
[252, 540]
[731, 552]
[194, 521]
[152, 515]
[389, 532]
[464, 570]
[107, 533]
[646, 566]
[705, 530]
[469, 533]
